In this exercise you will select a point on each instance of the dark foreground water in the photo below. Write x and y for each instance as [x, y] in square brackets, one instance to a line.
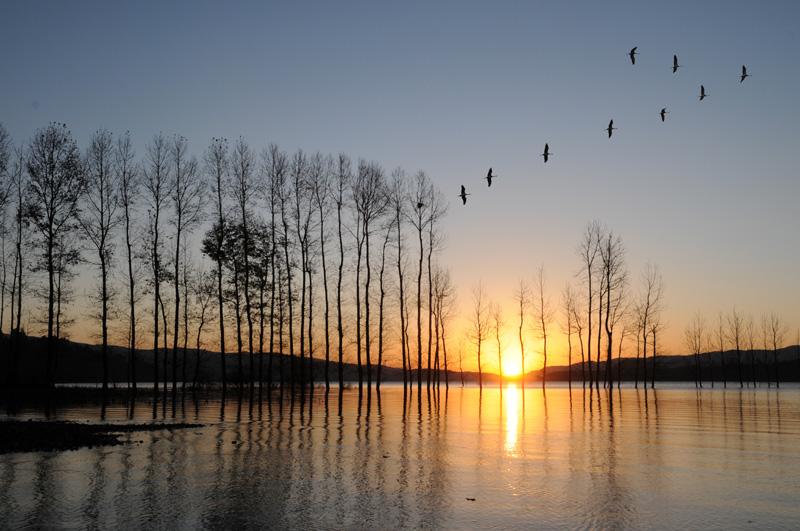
[674, 458]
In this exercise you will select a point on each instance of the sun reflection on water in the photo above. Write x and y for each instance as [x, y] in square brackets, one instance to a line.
[511, 397]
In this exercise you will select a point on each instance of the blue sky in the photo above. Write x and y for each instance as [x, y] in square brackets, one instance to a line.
[455, 87]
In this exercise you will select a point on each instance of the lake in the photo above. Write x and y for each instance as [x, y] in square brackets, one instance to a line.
[672, 458]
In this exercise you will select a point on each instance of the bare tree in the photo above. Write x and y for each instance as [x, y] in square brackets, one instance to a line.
[387, 232]
[750, 331]
[522, 297]
[569, 307]
[321, 190]
[612, 255]
[694, 338]
[648, 309]
[158, 187]
[128, 182]
[580, 324]
[419, 217]
[498, 323]
[775, 331]
[217, 166]
[735, 336]
[203, 292]
[436, 211]
[444, 303]
[242, 187]
[53, 194]
[543, 315]
[187, 201]
[343, 179]
[721, 346]
[397, 199]
[275, 169]
[99, 219]
[480, 328]
[589, 251]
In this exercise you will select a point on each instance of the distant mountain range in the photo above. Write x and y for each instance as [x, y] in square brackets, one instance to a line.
[82, 363]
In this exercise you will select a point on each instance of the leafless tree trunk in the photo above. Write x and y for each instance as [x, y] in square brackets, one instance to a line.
[612, 254]
[568, 304]
[588, 250]
[750, 330]
[203, 293]
[53, 193]
[217, 167]
[721, 344]
[321, 188]
[99, 218]
[242, 188]
[522, 297]
[480, 328]
[381, 300]
[343, 178]
[648, 309]
[419, 217]
[127, 176]
[187, 202]
[543, 316]
[776, 332]
[694, 337]
[497, 319]
[436, 210]
[735, 332]
[275, 167]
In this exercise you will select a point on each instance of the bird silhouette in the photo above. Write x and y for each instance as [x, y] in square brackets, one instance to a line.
[664, 113]
[546, 153]
[420, 205]
[675, 65]
[489, 177]
[745, 75]
[703, 94]
[632, 55]
[463, 195]
[610, 128]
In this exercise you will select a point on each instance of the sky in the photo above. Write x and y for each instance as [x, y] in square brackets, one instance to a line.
[452, 88]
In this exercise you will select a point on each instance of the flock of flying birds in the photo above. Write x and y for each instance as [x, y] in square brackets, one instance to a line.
[610, 129]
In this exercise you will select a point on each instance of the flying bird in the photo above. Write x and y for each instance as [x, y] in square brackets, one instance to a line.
[610, 128]
[664, 113]
[745, 75]
[463, 195]
[489, 177]
[703, 94]
[546, 153]
[675, 65]
[632, 54]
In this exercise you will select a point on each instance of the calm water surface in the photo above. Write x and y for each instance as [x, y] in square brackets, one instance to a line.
[674, 458]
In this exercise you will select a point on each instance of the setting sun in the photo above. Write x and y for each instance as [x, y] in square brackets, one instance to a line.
[511, 365]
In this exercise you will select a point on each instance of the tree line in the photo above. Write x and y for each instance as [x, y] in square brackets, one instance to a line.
[292, 246]
[600, 310]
